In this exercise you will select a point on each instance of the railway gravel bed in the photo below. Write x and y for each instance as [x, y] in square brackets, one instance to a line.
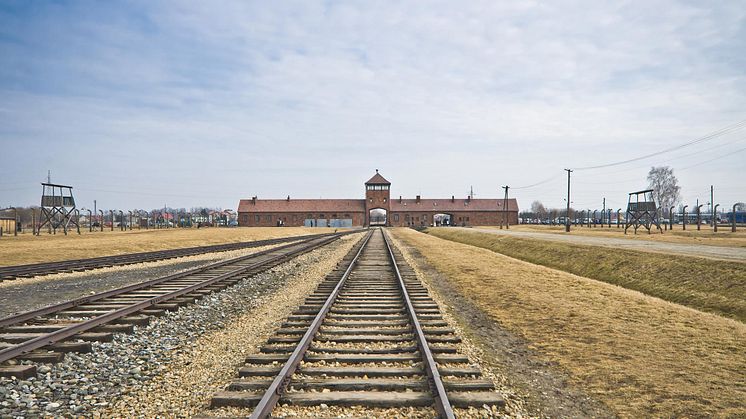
[87, 384]
[33, 293]
[365, 343]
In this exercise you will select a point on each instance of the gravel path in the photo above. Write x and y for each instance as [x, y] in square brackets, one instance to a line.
[698, 250]
[116, 377]
[32, 293]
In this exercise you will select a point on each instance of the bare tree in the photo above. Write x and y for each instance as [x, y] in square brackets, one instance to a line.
[665, 186]
[538, 209]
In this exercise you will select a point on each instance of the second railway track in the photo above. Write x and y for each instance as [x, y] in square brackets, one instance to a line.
[78, 265]
[44, 335]
[369, 337]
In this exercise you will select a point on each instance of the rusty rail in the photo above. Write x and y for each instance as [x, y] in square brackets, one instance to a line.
[442, 405]
[67, 332]
[277, 388]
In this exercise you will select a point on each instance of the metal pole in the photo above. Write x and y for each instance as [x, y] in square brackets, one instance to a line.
[90, 222]
[101, 223]
[670, 217]
[567, 217]
[699, 215]
[684, 222]
[111, 214]
[618, 213]
[15, 221]
[77, 219]
[594, 218]
[714, 221]
[712, 203]
[608, 219]
[33, 221]
[733, 221]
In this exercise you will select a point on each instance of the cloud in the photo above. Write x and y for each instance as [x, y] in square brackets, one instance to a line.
[446, 96]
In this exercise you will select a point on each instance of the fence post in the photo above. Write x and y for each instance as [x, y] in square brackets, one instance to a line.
[733, 221]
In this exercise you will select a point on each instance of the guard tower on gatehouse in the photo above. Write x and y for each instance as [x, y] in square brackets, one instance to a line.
[57, 208]
[377, 201]
[641, 211]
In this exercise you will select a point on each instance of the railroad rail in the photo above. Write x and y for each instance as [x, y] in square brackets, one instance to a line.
[72, 325]
[77, 265]
[370, 335]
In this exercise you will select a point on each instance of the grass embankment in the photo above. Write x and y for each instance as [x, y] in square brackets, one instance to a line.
[27, 248]
[724, 237]
[641, 356]
[704, 284]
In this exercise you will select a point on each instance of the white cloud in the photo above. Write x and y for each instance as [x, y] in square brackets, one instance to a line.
[446, 95]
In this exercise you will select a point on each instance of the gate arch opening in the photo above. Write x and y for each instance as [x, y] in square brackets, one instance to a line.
[378, 217]
[442, 220]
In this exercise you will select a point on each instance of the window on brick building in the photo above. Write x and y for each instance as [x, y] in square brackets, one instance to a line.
[396, 217]
[257, 218]
[269, 218]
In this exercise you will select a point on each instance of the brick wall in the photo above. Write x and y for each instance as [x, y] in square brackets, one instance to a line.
[469, 218]
[294, 219]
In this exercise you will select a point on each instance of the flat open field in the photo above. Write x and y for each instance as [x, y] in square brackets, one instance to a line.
[724, 237]
[704, 284]
[641, 356]
[27, 248]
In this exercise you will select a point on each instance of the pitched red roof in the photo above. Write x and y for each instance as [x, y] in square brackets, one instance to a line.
[446, 205]
[377, 179]
[302, 205]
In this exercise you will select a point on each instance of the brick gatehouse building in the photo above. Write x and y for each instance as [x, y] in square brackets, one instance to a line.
[376, 209]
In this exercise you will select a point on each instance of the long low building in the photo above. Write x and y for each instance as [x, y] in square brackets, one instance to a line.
[376, 209]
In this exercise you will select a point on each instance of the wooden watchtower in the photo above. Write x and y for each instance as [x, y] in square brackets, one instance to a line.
[642, 212]
[57, 208]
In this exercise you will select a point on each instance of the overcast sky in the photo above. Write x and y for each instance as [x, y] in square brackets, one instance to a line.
[141, 104]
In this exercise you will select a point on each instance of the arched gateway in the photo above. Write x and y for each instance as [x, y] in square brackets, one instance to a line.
[376, 209]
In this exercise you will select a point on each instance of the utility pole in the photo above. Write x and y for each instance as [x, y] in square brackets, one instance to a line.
[712, 205]
[567, 215]
[505, 208]
[603, 215]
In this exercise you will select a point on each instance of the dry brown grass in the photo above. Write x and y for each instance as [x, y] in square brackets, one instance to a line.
[642, 356]
[724, 237]
[27, 248]
[710, 285]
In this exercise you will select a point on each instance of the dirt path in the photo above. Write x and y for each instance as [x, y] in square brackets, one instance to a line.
[696, 250]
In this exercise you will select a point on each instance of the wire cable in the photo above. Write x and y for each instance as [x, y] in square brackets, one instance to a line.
[731, 128]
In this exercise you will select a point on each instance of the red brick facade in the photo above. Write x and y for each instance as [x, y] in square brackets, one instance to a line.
[356, 212]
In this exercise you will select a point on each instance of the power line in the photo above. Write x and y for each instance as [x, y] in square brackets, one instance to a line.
[713, 159]
[731, 128]
[535, 184]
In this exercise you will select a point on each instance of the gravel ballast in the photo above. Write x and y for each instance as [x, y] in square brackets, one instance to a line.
[173, 365]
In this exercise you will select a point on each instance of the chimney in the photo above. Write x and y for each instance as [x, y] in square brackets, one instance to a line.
[253, 200]
[288, 198]
[418, 199]
[468, 198]
[453, 198]
[400, 199]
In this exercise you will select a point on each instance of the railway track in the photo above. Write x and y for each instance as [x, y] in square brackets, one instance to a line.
[44, 335]
[370, 336]
[77, 265]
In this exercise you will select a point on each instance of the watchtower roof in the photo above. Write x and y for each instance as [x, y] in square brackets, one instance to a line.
[377, 179]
